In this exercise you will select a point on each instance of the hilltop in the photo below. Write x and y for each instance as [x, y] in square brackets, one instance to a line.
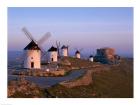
[70, 63]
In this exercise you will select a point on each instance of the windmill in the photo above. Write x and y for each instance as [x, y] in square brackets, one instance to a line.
[78, 52]
[32, 52]
[53, 54]
[64, 49]
[91, 57]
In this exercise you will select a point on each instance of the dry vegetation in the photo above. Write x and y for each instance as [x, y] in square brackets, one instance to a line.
[106, 81]
[26, 89]
[116, 81]
[75, 63]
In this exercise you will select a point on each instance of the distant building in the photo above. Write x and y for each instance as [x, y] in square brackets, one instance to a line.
[32, 57]
[53, 54]
[106, 52]
[91, 58]
[64, 50]
[105, 55]
[77, 54]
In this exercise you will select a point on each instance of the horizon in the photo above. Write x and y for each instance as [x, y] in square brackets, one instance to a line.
[89, 28]
[71, 54]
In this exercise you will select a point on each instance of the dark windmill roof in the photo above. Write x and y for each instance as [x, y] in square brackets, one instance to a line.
[32, 46]
[52, 49]
[63, 47]
[77, 52]
[90, 56]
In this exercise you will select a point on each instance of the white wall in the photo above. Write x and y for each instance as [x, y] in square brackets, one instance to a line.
[65, 52]
[77, 55]
[91, 59]
[32, 56]
[53, 55]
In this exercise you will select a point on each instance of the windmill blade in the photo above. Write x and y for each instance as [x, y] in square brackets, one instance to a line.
[58, 44]
[28, 34]
[43, 52]
[58, 48]
[41, 41]
[44, 38]
[44, 55]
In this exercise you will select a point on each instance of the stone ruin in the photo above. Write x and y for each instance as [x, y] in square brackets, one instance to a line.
[106, 56]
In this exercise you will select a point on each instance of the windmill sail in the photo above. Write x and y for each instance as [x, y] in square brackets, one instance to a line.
[35, 43]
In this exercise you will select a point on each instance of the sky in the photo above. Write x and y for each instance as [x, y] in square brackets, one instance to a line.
[86, 28]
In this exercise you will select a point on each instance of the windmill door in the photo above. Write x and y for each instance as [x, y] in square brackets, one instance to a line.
[52, 59]
[32, 64]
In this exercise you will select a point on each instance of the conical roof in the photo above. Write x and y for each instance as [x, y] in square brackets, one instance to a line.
[63, 47]
[91, 56]
[32, 46]
[52, 49]
[77, 52]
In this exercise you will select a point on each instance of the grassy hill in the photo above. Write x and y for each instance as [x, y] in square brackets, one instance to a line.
[117, 82]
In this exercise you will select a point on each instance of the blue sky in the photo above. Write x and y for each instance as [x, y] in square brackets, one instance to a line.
[87, 28]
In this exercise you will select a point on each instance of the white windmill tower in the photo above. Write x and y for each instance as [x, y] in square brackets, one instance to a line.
[32, 56]
[91, 57]
[77, 54]
[32, 52]
[64, 51]
[53, 54]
